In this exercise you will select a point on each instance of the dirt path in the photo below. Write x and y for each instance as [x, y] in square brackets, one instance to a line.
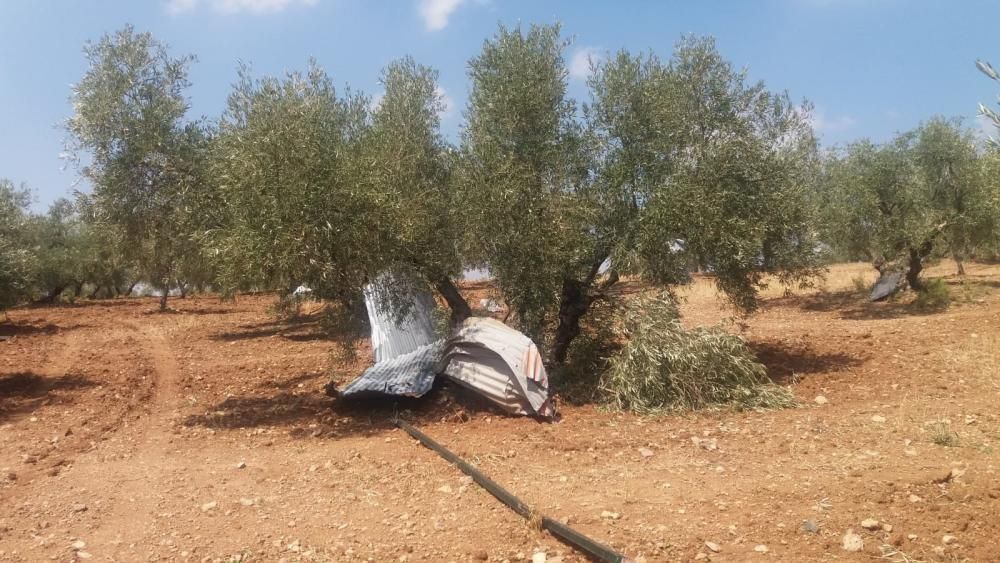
[144, 465]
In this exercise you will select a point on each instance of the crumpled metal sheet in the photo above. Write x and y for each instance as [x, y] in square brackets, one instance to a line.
[887, 284]
[409, 375]
[483, 354]
[499, 363]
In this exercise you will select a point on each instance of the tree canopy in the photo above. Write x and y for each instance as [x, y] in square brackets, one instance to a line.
[924, 193]
[141, 157]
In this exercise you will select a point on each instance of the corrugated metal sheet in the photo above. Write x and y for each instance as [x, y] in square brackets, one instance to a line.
[887, 284]
[409, 375]
[483, 355]
[391, 339]
[500, 363]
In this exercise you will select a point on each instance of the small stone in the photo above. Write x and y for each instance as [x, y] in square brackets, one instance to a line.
[712, 546]
[78, 545]
[241, 465]
[701, 556]
[870, 524]
[538, 557]
[11, 476]
[83, 555]
[887, 527]
[948, 540]
[821, 400]
[79, 507]
[480, 555]
[608, 515]
[645, 452]
[209, 506]
[710, 444]
[761, 548]
[911, 537]
[247, 501]
[810, 526]
[445, 489]
[295, 546]
[939, 550]
[915, 498]
[878, 418]
[852, 542]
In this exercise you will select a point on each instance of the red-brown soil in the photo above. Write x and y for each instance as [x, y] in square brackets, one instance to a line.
[204, 435]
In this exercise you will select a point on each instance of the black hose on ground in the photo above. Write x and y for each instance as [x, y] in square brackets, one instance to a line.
[595, 550]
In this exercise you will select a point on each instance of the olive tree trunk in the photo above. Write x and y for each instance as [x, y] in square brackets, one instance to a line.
[460, 309]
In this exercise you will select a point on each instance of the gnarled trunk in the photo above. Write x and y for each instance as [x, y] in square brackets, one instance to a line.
[573, 305]
[460, 309]
[914, 267]
[915, 264]
[574, 302]
[163, 298]
[53, 294]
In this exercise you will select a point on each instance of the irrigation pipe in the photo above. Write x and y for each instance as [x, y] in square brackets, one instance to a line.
[595, 550]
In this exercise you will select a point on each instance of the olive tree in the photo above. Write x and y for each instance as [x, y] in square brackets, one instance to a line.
[58, 240]
[285, 164]
[17, 262]
[140, 155]
[409, 165]
[328, 191]
[924, 193]
[676, 164]
[949, 163]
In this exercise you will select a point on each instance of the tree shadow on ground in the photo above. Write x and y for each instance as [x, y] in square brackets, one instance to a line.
[299, 330]
[83, 303]
[785, 363]
[317, 415]
[850, 306]
[27, 328]
[25, 391]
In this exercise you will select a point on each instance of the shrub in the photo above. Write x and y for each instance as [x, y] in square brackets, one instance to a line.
[944, 437]
[664, 367]
[934, 296]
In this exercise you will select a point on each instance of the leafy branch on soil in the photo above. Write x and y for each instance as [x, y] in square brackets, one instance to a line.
[664, 367]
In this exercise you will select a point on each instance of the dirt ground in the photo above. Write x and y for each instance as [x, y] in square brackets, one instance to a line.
[205, 435]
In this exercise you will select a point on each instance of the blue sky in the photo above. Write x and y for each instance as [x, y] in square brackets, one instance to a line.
[870, 67]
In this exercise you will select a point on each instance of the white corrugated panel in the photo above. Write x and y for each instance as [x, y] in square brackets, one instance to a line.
[391, 339]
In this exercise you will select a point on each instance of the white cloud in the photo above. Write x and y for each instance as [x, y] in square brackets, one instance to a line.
[823, 124]
[446, 101]
[435, 13]
[579, 63]
[180, 6]
[985, 129]
[175, 7]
